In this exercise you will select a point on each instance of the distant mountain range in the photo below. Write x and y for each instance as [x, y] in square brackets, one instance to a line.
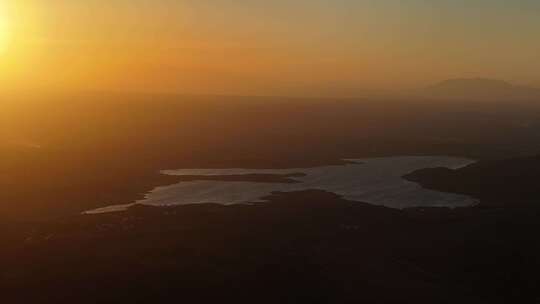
[481, 88]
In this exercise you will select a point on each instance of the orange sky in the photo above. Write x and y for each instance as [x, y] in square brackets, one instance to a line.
[316, 47]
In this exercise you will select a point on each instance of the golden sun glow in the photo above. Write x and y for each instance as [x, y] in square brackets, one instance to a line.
[242, 47]
[4, 30]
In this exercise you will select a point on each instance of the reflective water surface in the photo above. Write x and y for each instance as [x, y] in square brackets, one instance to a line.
[376, 181]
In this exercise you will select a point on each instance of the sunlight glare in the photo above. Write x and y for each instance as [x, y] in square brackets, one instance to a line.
[4, 31]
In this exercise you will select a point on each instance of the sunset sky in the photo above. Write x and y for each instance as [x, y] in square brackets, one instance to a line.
[279, 47]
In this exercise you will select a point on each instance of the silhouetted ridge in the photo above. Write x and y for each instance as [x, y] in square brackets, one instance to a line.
[481, 88]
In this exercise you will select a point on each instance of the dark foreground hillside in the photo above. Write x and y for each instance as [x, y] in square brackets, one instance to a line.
[305, 247]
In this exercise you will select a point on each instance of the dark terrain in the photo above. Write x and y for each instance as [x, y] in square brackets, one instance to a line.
[76, 153]
[304, 247]
[508, 182]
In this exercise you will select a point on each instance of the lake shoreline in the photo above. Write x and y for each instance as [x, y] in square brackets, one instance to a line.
[361, 176]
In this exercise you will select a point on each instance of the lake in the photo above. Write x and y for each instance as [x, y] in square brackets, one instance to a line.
[376, 181]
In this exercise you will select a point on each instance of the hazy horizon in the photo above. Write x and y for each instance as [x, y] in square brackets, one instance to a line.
[284, 48]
